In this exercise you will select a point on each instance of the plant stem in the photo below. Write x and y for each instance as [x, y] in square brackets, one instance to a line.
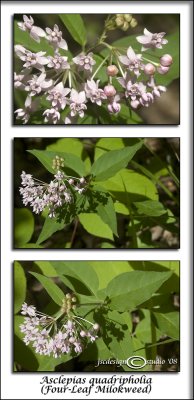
[134, 236]
[153, 335]
[74, 232]
[99, 67]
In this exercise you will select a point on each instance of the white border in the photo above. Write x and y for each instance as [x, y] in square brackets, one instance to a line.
[173, 386]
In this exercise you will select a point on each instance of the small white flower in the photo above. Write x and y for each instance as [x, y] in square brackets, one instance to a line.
[30, 107]
[28, 25]
[37, 84]
[132, 61]
[58, 62]
[77, 103]
[151, 40]
[85, 62]
[57, 96]
[94, 93]
[51, 116]
[55, 38]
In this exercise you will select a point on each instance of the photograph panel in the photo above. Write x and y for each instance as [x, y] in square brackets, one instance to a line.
[96, 69]
[115, 193]
[96, 316]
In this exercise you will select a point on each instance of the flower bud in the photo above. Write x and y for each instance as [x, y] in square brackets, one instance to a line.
[96, 327]
[71, 181]
[112, 70]
[74, 299]
[109, 91]
[162, 70]
[125, 26]
[82, 333]
[68, 296]
[82, 180]
[166, 60]
[149, 69]
[119, 20]
[71, 339]
[133, 23]
[128, 17]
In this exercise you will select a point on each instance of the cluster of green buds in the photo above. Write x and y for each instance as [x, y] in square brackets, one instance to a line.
[121, 21]
[58, 162]
[68, 303]
[125, 21]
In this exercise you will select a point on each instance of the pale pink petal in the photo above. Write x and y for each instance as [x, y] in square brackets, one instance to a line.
[81, 97]
[49, 31]
[28, 101]
[42, 60]
[34, 36]
[143, 39]
[20, 50]
[147, 33]
[47, 84]
[39, 31]
[41, 78]
[122, 82]
[124, 60]
[21, 26]
[131, 54]
[63, 44]
[74, 96]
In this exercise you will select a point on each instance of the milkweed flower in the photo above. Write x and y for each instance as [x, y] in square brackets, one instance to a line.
[85, 62]
[54, 37]
[41, 195]
[93, 92]
[50, 337]
[152, 40]
[29, 107]
[28, 25]
[35, 60]
[132, 61]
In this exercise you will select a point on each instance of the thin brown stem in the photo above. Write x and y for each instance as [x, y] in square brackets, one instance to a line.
[74, 232]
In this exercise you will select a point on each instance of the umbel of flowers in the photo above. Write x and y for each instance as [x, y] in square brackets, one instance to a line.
[70, 83]
[61, 190]
[54, 336]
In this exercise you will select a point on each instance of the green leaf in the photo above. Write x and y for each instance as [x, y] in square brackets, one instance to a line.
[108, 215]
[52, 289]
[150, 207]
[137, 186]
[105, 144]
[46, 268]
[23, 226]
[81, 270]
[51, 225]
[143, 330]
[107, 270]
[129, 290]
[19, 286]
[117, 329]
[70, 160]
[75, 25]
[168, 323]
[111, 162]
[94, 225]
[31, 246]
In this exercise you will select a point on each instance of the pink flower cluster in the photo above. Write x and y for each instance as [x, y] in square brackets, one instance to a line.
[70, 85]
[50, 338]
[40, 195]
